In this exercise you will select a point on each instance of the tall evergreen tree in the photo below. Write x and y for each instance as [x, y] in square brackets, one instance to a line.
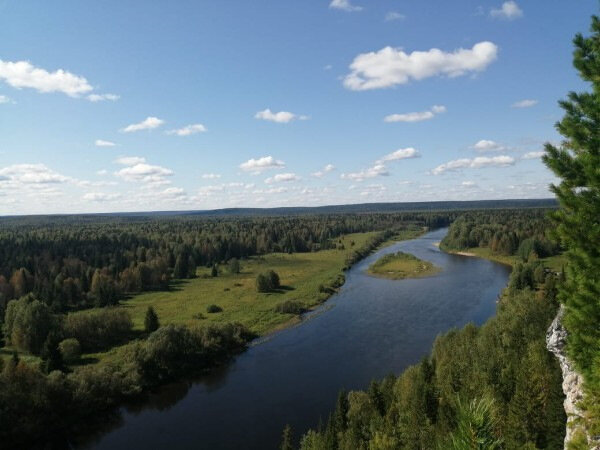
[286, 439]
[577, 163]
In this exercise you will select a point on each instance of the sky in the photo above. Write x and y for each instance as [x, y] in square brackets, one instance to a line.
[142, 106]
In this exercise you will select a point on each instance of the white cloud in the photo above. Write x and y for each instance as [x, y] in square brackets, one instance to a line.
[401, 153]
[32, 174]
[416, 116]
[147, 124]
[279, 117]
[527, 103]
[145, 173]
[100, 197]
[130, 160]
[4, 99]
[172, 192]
[102, 172]
[509, 10]
[393, 15]
[23, 74]
[321, 173]
[344, 5]
[282, 177]
[372, 172]
[103, 143]
[259, 165]
[188, 130]
[532, 155]
[475, 163]
[328, 67]
[392, 66]
[485, 145]
[468, 184]
[211, 176]
[102, 97]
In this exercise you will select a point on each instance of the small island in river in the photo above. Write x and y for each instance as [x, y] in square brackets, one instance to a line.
[400, 265]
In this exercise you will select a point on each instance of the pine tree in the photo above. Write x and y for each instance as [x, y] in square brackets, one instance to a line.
[286, 439]
[576, 162]
[151, 322]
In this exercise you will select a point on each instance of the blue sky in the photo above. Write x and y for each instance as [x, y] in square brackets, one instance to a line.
[137, 105]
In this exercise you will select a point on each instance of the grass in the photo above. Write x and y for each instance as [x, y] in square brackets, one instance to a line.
[397, 266]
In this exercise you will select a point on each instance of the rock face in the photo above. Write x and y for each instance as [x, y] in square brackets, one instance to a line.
[572, 385]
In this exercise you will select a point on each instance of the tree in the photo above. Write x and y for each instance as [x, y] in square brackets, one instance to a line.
[476, 426]
[234, 266]
[274, 279]
[27, 323]
[576, 162]
[214, 271]
[151, 322]
[286, 439]
[51, 356]
[181, 266]
[263, 283]
[70, 350]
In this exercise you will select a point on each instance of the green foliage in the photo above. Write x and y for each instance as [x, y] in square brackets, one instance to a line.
[576, 162]
[476, 426]
[70, 350]
[100, 329]
[27, 324]
[290, 307]
[286, 439]
[401, 265]
[233, 266]
[267, 281]
[151, 322]
[211, 309]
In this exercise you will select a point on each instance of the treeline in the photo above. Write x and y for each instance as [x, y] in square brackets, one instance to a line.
[35, 406]
[85, 262]
[506, 232]
[492, 387]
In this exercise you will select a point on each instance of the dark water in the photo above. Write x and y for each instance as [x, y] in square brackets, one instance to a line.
[371, 328]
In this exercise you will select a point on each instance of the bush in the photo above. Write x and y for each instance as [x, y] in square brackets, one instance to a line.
[70, 350]
[290, 307]
[151, 322]
[99, 329]
[267, 281]
[213, 309]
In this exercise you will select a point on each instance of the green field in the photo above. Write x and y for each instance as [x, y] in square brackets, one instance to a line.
[397, 266]
[555, 263]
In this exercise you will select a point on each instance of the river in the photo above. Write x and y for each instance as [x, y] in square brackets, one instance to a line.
[371, 328]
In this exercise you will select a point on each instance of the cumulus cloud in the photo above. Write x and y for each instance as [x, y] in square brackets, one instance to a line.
[376, 170]
[393, 15]
[148, 123]
[145, 173]
[101, 197]
[509, 10]
[474, 163]
[103, 143]
[4, 99]
[103, 97]
[416, 116]
[527, 103]
[321, 173]
[278, 117]
[211, 176]
[468, 184]
[485, 145]
[285, 177]
[259, 165]
[390, 66]
[344, 5]
[172, 192]
[32, 174]
[189, 130]
[532, 155]
[23, 74]
[130, 160]
[401, 153]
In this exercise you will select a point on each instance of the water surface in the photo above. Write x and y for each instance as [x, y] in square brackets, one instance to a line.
[371, 328]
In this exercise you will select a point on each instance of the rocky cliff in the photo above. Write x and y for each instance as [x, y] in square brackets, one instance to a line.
[572, 381]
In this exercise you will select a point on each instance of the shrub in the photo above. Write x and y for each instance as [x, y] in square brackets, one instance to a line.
[151, 322]
[290, 307]
[70, 350]
[267, 281]
[213, 309]
[98, 329]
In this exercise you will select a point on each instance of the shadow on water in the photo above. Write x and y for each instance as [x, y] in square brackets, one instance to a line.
[371, 328]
